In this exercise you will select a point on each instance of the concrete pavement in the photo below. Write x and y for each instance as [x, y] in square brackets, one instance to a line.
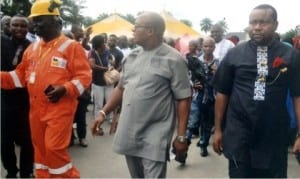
[99, 161]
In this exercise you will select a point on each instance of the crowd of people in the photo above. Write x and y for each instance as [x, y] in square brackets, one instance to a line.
[243, 94]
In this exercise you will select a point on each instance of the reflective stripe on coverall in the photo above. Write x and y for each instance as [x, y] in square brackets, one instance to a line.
[59, 62]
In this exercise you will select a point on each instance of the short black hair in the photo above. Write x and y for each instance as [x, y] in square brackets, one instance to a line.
[267, 6]
[20, 16]
[113, 35]
[97, 41]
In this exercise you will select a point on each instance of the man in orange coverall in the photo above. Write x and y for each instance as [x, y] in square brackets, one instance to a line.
[55, 71]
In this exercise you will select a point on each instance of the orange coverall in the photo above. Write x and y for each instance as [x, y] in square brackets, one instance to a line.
[59, 62]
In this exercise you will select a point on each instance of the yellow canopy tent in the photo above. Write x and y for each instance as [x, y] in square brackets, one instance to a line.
[113, 24]
[177, 29]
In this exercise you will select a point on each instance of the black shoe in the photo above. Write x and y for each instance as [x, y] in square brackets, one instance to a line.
[203, 152]
[83, 143]
[11, 175]
[26, 175]
[188, 141]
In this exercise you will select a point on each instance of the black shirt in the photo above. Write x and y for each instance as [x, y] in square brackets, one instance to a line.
[118, 54]
[257, 128]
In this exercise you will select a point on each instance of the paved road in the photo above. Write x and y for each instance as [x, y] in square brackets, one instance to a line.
[98, 161]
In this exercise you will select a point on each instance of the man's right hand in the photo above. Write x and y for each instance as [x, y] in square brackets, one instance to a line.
[96, 124]
[218, 142]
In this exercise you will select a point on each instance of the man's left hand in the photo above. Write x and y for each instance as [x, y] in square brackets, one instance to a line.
[55, 94]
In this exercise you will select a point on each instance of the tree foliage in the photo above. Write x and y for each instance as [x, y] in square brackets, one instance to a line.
[289, 34]
[223, 24]
[13, 7]
[130, 18]
[102, 16]
[205, 24]
[71, 11]
[88, 21]
[186, 22]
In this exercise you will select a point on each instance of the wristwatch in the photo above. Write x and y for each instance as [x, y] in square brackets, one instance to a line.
[181, 139]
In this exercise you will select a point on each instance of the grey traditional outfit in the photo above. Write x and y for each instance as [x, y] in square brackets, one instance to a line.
[152, 81]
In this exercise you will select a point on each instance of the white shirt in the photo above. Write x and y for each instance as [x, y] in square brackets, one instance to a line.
[32, 37]
[222, 48]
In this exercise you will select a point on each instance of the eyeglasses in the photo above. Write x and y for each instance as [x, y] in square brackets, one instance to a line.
[139, 26]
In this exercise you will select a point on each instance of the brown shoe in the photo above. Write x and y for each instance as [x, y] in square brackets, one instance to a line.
[100, 132]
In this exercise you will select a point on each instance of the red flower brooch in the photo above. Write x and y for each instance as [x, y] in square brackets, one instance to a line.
[277, 62]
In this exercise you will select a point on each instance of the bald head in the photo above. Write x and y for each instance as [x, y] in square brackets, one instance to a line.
[217, 27]
[155, 21]
[208, 45]
[217, 32]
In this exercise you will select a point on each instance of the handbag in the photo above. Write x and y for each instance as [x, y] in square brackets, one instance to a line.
[111, 76]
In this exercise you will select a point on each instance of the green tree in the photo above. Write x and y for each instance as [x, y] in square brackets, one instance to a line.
[71, 11]
[88, 21]
[13, 7]
[289, 34]
[223, 24]
[186, 22]
[130, 18]
[102, 16]
[205, 24]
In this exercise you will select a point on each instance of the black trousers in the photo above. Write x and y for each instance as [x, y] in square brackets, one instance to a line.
[239, 169]
[80, 118]
[15, 129]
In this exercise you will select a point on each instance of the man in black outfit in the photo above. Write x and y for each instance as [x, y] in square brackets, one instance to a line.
[116, 52]
[84, 99]
[252, 83]
[15, 105]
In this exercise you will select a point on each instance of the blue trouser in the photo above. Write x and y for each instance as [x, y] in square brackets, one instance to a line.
[201, 119]
[194, 118]
[206, 123]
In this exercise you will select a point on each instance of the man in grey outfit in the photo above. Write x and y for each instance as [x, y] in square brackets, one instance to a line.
[154, 91]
